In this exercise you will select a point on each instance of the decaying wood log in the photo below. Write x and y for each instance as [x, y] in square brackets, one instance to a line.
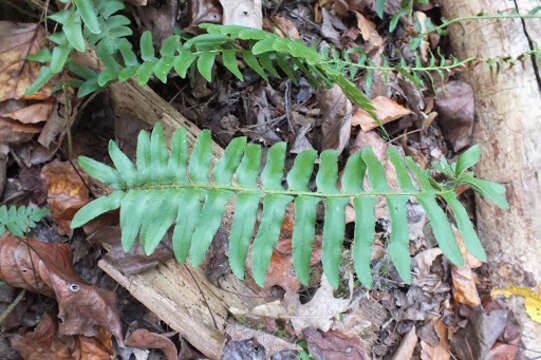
[508, 128]
[180, 295]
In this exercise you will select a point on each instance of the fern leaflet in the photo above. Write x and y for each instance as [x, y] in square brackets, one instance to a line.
[19, 220]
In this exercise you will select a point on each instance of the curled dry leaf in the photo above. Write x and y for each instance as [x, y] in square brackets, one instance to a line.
[144, 339]
[44, 344]
[271, 343]
[368, 32]
[387, 110]
[18, 40]
[31, 114]
[336, 120]
[66, 192]
[456, 108]
[242, 12]
[46, 268]
[282, 26]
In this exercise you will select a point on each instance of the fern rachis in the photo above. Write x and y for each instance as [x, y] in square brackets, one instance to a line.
[163, 189]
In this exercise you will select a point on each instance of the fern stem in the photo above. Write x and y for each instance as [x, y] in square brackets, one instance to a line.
[239, 189]
[480, 17]
[409, 69]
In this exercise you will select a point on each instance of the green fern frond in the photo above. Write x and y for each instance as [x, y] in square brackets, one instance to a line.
[163, 189]
[19, 220]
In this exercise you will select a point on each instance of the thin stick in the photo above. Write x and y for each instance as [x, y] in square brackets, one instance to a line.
[203, 296]
[12, 306]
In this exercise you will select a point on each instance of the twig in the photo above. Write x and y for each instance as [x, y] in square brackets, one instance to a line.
[12, 306]
[203, 296]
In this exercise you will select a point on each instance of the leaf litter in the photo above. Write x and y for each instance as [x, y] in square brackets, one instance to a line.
[442, 313]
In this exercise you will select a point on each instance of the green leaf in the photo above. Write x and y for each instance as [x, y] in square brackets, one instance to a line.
[147, 48]
[266, 63]
[133, 209]
[283, 64]
[229, 58]
[299, 175]
[488, 189]
[252, 62]
[376, 172]
[45, 74]
[200, 158]
[88, 13]
[271, 178]
[74, 32]
[380, 5]
[352, 178]
[399, 242]
[365, 223]
[333, 237]
[143, 157]
[126, 49]
[102, 172]
[170, 45]
[274, 207]
[88, 87]
[182, 62]
[178, 160]
[225, 168]
[304, 235]
[144, 72]
[246, 205]
[42, 56]
[212, 213]
[263, 46]
[186, 222]
[205, 64]
[159, 216]
[159, 156]
[97, 207]
[468, 159]
[123, 164]
[163, 67]
[471, 241]
[59, 58]
[249, 167]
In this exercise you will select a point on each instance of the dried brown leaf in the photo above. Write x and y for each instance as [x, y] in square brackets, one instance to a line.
[144, 339]
[368, 32]
[46, 268]
[66, 192]
[329, 346]
[282, 26]
[205, 11]
[387, 110]
[456, 108]
[18, 40]
[407, 345]
[31, 114]
[336, 112]
[271, 343]
[464, 279]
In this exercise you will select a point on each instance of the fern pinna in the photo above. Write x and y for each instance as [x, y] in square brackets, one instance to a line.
[162, 189]
[19, 220]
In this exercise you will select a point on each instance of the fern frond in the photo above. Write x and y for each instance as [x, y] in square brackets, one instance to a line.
[163, 189]
[19, 220]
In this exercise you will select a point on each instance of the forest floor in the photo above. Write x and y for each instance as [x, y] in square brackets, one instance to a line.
[445, 313]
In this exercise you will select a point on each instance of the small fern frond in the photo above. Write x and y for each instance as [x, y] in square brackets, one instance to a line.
[19, 220]
[163, 189]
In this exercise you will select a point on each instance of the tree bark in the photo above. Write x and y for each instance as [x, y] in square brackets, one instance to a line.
[508, 128]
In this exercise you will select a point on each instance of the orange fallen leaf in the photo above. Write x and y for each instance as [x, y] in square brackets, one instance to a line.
[66, 192]
[18, 40]
[387, 110]
[464, 286]
[44, 344]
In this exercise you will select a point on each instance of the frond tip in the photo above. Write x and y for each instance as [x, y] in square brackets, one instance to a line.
[19, 220]
[163, 189]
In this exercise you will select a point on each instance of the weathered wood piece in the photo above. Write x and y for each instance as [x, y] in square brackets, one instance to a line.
[508, 128]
